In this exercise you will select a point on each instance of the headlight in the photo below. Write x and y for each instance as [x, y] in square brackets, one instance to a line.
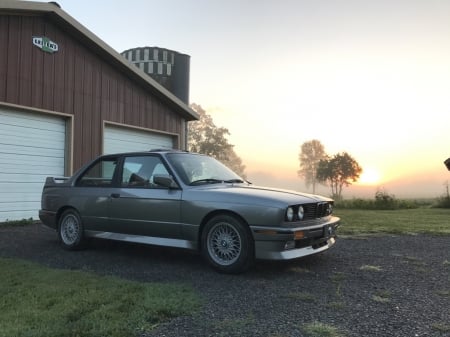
[300, 212]
[290, 214]
[329, 209]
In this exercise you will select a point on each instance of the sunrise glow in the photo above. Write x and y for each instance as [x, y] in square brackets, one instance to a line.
[370, 176]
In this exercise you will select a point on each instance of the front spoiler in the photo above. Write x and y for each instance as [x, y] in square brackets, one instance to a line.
[290, 254]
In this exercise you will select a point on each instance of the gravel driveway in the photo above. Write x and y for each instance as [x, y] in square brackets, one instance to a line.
[381, 286]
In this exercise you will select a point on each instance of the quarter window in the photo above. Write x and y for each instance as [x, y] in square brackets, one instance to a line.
[99, 175]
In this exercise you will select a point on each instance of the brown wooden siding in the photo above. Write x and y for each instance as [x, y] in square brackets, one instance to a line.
[74, 81]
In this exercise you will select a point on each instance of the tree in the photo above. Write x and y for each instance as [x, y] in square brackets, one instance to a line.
[339, 171]
[311, 153]
[206, 138]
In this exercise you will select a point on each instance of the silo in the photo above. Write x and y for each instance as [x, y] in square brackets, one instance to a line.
[169, 68]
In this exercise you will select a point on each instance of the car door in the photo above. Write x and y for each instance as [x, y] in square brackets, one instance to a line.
[139, 206]
[91, 194]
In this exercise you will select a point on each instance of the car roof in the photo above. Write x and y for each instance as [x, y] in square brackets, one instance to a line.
[140, 153]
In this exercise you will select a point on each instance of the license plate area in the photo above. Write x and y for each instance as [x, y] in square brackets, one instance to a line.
[328, 231]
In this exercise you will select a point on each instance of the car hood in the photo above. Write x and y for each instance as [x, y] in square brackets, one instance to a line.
[255, 194]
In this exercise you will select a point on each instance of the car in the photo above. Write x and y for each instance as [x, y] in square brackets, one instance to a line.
[188, 200]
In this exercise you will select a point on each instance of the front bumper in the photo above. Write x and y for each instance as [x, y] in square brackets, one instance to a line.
[279, 243]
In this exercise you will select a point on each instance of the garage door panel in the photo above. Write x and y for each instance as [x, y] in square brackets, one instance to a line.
[29, 187]
[27, 159]
[31, 137]
[35, 140]
[31, 151]
[15, 197]
[11, 129]
[117, 139]
[21, 206]
[26, 168]
[16, 118]
[32, 147]
[22, 178]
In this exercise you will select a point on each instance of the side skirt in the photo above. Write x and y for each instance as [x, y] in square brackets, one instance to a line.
[148, 240]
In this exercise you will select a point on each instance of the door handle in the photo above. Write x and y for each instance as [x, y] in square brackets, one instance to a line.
[115, 195]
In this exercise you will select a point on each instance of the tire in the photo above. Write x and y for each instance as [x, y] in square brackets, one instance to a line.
[227, 244]
[70, 230]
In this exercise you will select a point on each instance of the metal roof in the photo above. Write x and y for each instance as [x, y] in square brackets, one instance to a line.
[54, 13]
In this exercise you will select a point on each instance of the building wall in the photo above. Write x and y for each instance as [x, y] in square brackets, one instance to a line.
[75, 81]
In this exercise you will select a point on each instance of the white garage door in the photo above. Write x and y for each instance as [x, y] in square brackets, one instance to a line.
[32, 147]
[117, 140]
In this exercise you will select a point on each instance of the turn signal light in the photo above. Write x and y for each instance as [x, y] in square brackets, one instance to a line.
[299, 235]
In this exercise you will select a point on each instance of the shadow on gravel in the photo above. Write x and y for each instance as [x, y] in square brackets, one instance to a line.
[128, 260]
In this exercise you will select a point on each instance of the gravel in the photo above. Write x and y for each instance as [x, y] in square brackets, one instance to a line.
[373, 286]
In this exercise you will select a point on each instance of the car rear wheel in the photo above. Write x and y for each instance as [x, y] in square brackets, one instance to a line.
[70, 230]
[227, 244]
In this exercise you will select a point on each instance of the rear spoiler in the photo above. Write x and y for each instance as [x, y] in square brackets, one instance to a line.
[49, 181]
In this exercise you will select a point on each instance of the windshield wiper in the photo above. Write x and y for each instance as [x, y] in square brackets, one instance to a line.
[206, 181]
[216, 181]
[235, 181]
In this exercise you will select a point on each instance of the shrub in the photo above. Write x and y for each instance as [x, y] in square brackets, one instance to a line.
[442, 202]
[383, 200]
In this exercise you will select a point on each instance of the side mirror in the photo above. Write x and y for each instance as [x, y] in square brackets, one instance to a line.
[165, 181]
[447, 163]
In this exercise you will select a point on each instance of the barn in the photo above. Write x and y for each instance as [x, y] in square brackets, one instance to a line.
[67, 97]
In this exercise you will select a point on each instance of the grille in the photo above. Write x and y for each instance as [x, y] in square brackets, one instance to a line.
[317, 210]
[312, 211]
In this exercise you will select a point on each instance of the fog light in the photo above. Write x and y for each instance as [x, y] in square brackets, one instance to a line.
[289, 245]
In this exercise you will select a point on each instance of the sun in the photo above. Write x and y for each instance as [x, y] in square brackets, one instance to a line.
[370, 176]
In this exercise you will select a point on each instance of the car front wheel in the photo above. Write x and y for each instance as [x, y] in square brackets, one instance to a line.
[70, 230]
[227, 244]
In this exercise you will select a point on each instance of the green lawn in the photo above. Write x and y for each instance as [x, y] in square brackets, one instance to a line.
[38, 301]
[405, 221]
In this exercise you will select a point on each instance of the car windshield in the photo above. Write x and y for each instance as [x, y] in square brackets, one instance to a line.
[196, 169]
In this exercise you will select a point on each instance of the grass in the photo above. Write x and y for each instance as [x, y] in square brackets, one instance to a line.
[443, 293]
[22, 222]
[317, 329]
[404, 221]
[38, 301]
[382, 297]
[337, 278]
[367, 267]
[441, 327]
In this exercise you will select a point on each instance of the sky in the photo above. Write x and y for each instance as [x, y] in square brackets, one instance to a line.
[369, 77]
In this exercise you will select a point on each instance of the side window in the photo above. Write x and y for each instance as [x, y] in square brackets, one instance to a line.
[139, 171]
[99, 175]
